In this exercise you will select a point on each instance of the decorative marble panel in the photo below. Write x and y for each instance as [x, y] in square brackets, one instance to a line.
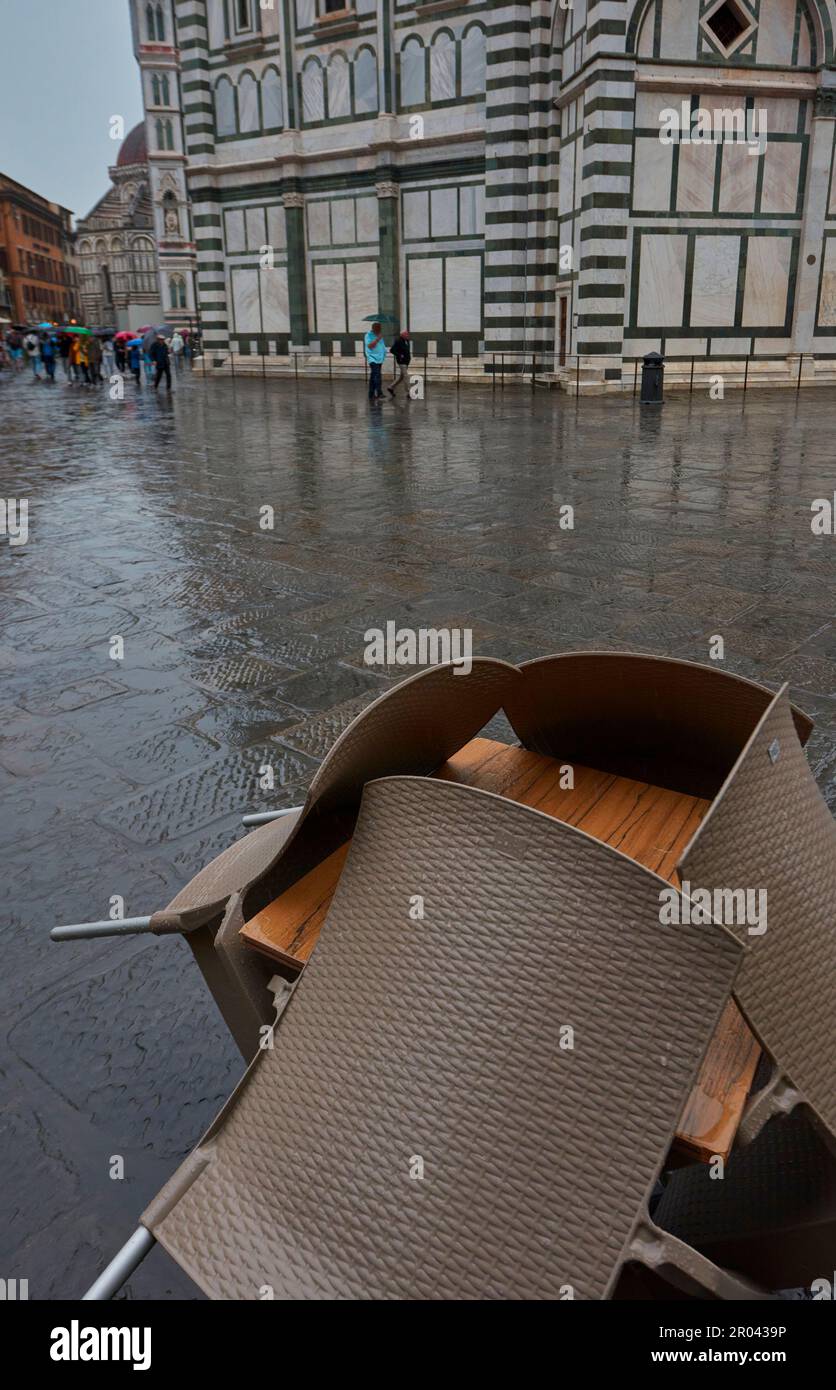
[695, 183]
[234, 226]
[738, 179]
[248, 114]
[426, 308]
[767, 281]
[365, 82]
[473, 62]
[367, 221]
[781, 113]
[313, 92]
[463, 294]
[339, 92]
[652, 176]
[442, 69]
[271, 99]
[413, 73]
[319, 224]
[782, 165]
[256, 228]
[329, 289]
[305, 13]
[274, 300]
[471, 209]
[361, 280]
[342, 222]
[679, 29]
[416, 216]
[444, 206]
[246, 309]
[827, 303]
[276, 228]
[662, 280]
[714, 286]
[775, 32]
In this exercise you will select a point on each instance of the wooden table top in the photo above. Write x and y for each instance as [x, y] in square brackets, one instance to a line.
[650, 824]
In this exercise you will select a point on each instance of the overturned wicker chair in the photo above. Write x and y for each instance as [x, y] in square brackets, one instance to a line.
[447, 911]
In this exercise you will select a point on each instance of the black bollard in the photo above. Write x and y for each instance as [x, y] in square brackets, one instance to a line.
[653, 379]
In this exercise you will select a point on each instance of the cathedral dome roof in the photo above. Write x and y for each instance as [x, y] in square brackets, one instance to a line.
[133, 149]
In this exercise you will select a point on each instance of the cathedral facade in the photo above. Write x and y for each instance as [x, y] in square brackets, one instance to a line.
[581, 180]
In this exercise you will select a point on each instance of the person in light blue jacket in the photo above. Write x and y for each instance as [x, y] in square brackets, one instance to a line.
[375, 356]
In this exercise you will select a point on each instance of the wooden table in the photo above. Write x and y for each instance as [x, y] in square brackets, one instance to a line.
[650, 824]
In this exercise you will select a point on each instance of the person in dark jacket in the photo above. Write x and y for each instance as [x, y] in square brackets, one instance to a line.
[402, 353]
[159, 356]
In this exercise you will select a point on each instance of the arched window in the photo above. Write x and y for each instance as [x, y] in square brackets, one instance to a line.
[473, 61]
[248, 117]
[313, 92]
[164, 133]
[365, 81]
[271, 99]
[160, 91]
[224, 107]
[413, 73]
[442, 67]
[155, 23]
[339, 87]
[176, 292]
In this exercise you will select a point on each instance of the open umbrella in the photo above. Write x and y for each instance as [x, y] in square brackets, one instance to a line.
[380, 318]
[151, 333]
[123, 335]
[73, 328]
[135, 342]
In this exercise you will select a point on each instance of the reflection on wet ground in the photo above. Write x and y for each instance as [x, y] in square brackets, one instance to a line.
[244, 645]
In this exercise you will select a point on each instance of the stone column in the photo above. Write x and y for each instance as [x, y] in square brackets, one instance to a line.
[388, 265]
[297, 283]
[815, 213]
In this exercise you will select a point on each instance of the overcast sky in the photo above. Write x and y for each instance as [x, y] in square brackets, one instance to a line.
[67, 67]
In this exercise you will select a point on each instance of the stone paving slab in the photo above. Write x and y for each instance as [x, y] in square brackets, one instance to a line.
[244, 646]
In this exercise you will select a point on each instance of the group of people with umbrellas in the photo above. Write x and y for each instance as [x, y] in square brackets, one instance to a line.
[90, 357]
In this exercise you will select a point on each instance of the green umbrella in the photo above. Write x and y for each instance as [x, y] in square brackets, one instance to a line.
[73, 328]
[380, 318]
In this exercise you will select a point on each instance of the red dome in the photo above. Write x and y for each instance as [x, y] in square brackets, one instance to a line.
[133, 149]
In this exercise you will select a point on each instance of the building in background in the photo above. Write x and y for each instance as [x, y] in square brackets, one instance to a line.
[155, 47]
[37, 265]
[492, 175]
[117, 257]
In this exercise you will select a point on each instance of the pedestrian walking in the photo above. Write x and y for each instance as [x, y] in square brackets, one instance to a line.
[64, 345]
[108, 358]
[177, 347]
[94, 360]
[15, 344]
[31, 347]
[120, 355]
[134, 361]
[375, 356]
[159, 356]
[402, 353]
[47, 350]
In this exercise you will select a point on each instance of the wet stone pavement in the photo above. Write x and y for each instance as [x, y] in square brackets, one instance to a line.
[244, 647]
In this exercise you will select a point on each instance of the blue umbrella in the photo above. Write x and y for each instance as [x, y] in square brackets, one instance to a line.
[135, 342]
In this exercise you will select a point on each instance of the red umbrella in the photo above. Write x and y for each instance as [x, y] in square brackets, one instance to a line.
[125, 333]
